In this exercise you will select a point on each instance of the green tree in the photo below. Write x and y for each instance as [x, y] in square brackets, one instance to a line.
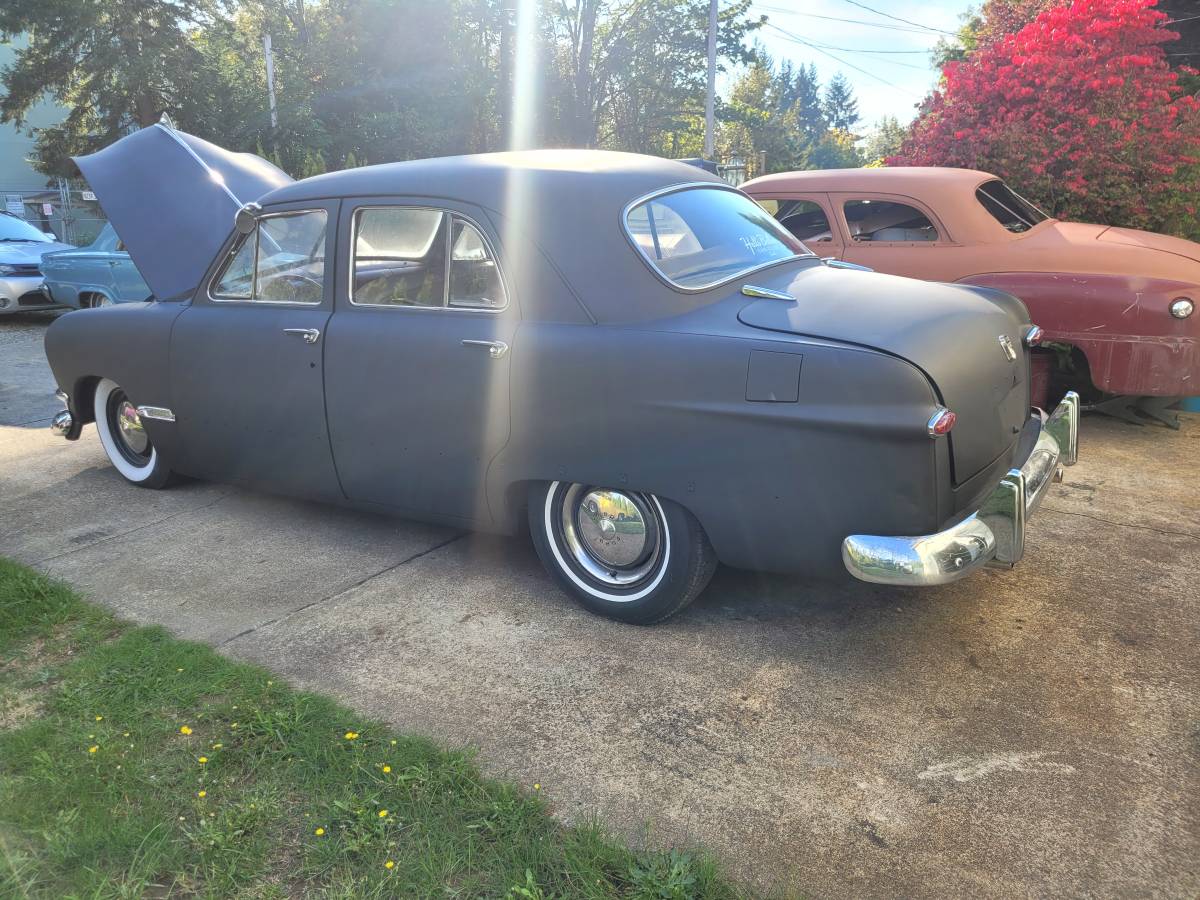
[840, 105]
[114, 65]
[886, 140]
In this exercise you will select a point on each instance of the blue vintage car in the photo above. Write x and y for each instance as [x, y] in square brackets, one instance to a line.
[100, 274]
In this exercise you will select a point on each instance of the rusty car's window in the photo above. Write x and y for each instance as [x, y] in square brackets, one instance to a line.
[281, 261]
[474, 280]
[399, 257]
[886, 221]
[1008, 207]
[805, 219]
[697, 238]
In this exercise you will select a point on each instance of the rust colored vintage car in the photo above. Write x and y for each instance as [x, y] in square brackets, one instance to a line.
[1122, 302]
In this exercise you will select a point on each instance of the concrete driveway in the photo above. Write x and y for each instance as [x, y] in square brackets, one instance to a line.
[1031, 733]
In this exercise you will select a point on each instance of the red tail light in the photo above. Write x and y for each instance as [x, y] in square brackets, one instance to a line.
[941, 422]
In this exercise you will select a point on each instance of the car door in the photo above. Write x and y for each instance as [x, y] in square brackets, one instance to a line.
[417, 359]
[894, 234]
[809, 218]
[246, 358]
[127, 282]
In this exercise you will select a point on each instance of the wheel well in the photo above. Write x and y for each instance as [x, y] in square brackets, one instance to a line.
[515, 514]
[1073, 371]
[83, 398]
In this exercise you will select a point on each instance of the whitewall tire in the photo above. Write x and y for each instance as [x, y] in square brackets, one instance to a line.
[124, 438]
[623, 554]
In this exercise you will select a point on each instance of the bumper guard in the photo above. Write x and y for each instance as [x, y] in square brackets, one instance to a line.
[994, 535]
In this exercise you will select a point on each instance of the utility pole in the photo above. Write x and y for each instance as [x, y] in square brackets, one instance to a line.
[710, 101]
[270, 79]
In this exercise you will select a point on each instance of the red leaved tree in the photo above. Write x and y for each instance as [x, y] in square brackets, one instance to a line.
[1080, 111]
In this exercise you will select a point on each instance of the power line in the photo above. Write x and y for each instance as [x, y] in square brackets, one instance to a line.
[849, 65]
[898, 19]
[793, 12]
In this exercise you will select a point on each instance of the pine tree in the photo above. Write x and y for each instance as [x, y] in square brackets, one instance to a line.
[840, 105]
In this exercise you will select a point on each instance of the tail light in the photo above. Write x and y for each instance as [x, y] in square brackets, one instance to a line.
[941, 422]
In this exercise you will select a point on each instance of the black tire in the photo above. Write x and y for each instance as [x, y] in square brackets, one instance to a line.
[137, 460]
[666, 559]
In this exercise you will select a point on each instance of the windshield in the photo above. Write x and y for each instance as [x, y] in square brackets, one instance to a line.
[700, 237]
[14, 229]
[1008, 207]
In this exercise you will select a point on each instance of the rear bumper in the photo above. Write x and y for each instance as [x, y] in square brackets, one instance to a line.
[993, 535]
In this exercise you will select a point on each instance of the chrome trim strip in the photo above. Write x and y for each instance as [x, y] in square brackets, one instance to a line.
[687, 186]
[158, 413]
[446, 288]
[753, 290]
[62, 395]
[203, 165]
[495, 349]
[994, 535]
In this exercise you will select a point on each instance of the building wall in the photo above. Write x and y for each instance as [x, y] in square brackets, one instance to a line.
[16, 174]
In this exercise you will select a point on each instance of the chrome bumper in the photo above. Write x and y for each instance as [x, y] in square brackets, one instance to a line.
[994, 535]
[64, 423]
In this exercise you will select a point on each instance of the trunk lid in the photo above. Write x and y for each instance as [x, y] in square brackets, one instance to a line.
[952, 333]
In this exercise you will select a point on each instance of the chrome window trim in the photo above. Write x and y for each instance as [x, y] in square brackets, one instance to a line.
[688, 186]
[236, 248]
[448, 224]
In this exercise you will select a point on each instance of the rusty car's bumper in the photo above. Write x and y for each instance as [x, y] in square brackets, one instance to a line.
[993, 535]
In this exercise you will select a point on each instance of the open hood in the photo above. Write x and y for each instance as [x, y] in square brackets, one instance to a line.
[172, 198]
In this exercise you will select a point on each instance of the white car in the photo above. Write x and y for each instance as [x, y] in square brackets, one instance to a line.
[21, 249]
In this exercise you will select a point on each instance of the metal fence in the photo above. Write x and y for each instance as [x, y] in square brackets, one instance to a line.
[66, 209]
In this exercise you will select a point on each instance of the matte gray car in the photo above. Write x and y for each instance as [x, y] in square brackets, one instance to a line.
[621, 352]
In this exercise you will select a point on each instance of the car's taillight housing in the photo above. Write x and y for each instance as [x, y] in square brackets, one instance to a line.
[941, 422]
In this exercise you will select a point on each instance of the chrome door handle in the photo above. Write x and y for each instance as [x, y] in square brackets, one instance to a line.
[310, 335]
[495, 349]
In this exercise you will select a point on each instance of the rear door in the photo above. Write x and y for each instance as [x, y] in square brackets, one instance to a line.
[246, 359]
[417, 360]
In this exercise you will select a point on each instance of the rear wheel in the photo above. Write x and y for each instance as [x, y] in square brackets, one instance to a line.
[623, 554]
[125, 439]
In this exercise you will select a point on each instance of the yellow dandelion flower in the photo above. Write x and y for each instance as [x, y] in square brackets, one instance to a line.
[184, 729]
[99, 718]
[383, 814]
[319, 832]
[201, 794]
[91, 737]
[93, 748]
[126, 734]
[269, 683]
[234, 725]
[537, 787]
[351, 735]
[393, 743]
[387, 769]
[203, 760]
[389, 864]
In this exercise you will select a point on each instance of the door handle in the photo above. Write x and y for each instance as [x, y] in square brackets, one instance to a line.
[310, 335]
[495, 349]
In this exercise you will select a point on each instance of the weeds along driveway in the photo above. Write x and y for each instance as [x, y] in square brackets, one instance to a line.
[1031, 732]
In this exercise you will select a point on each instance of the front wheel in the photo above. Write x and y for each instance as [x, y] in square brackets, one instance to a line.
[626, 555]
[125, 439]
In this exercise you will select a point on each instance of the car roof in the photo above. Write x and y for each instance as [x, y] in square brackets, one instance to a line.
[908, 178]
[489, 179]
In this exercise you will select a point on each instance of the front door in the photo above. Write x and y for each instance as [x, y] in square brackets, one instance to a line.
[895, 234]
[246, 359]
[808, 217]
[417, 357]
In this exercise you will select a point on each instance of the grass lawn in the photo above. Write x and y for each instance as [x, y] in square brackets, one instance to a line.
[135, 764]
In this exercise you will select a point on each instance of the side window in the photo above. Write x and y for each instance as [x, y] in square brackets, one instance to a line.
[400, 257]
[281, 261]
[883, 220]
[474, 280]
[805, 220]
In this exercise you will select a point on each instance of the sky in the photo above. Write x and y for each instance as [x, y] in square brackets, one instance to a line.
[890, 83]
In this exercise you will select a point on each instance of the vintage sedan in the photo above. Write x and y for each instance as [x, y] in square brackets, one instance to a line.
[99, 274]
[621, 353]
[1118, 304]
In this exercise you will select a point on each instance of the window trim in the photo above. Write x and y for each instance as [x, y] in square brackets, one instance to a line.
[943, 237]
[448, 225]
[236, 249]
[689, 186]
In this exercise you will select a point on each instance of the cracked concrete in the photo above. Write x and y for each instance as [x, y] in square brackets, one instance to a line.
[1034, 732]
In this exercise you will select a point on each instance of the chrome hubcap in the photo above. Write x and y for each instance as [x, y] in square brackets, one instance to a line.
[615, 537]
[129, 426]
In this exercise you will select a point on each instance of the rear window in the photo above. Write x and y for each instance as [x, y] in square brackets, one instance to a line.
[1008, 207]
[700, 237]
